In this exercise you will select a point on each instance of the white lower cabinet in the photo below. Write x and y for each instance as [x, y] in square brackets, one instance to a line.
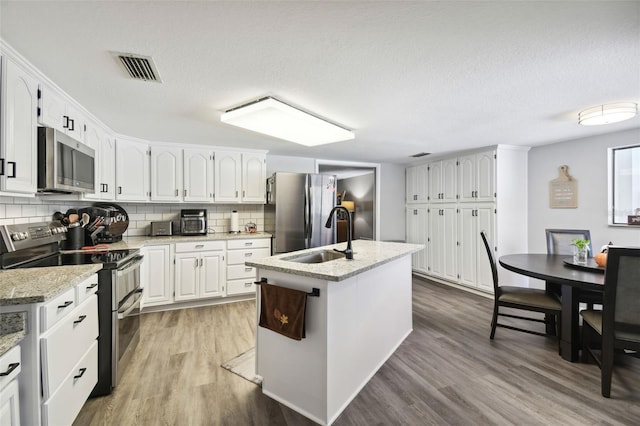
[443, 249]
[10, 366]
[199, 270]
[474, 269]
[157, 275]
[241, 278]
[59, 366]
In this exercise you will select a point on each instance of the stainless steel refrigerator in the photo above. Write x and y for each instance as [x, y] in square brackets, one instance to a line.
[298, 205]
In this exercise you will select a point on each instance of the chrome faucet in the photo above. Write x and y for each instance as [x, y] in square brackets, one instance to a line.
[348, 252]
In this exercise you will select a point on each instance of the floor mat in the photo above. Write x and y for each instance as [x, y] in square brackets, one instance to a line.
[244, 365]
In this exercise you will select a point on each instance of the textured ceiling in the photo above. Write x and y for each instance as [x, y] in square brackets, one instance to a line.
[407, 77]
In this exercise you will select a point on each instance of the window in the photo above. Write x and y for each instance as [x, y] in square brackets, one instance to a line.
[625, 183]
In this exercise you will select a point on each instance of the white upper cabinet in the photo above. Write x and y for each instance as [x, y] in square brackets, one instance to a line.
[476, 177]
[104, 144]
[19, 137]
[442, 181]
[132, 170]
[228, 176]
[417, 184]
[198, 175]
[54, 111]
[254, 176]
[166, 173]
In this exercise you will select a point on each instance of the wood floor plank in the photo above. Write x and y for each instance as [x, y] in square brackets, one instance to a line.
[447, 371]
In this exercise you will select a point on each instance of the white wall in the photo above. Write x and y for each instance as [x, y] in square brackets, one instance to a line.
[391, 191]
[587, 161]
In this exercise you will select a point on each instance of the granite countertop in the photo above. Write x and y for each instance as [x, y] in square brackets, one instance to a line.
[136, 242]
[34, 285]
[12, 330]
[366, 255]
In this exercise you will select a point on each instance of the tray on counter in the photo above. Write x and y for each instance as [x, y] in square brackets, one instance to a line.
[591, 265]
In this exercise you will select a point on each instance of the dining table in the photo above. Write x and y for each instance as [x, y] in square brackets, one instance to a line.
[571, 278]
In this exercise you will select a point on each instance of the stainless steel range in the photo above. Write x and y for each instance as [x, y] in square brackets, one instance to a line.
[35, 245]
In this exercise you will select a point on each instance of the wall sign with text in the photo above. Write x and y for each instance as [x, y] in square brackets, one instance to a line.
[563, 190]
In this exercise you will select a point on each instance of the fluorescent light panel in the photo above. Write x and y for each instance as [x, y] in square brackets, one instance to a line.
[274, 118]
[608, 113]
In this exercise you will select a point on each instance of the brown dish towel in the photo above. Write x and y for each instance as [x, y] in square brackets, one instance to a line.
[283, 310]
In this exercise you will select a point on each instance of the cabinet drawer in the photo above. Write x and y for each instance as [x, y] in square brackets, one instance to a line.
[86, 288]
[8, 363]
[235, 272]
[199, 246]
[65, 344]
[63, 406]
[238, 257]
[57, 308]
[253, 243]
[241, 286]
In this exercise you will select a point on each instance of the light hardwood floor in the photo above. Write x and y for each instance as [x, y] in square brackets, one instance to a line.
[446, 372]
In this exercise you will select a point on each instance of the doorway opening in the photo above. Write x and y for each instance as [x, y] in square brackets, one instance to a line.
[357, 189]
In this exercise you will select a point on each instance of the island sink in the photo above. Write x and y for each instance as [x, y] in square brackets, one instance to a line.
[316, 257]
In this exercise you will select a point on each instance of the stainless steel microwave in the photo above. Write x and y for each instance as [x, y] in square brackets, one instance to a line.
[64, 164]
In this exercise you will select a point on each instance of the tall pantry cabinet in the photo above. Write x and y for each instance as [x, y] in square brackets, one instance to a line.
[474, 191]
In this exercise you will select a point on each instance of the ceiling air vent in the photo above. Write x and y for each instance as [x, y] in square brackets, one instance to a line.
[138, 67]
[420, 154]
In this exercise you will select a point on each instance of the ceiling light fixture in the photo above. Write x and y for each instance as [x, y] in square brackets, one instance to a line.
[608, 113]
[275, 118]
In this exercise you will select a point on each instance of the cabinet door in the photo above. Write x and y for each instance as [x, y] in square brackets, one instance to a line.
[93, 139]
[187, 271]
[410, 185]
[486, 219]
[132, 170]
[19, 137]
[422, 183]
[449, 180]
[435, 182]
[166, 174]
[52, 110]
[443, 241]
[467, 230]
[157, 274]
[75, 124]
[198, 175]
[212, 274]
[10, 405]
[417, 233]
[467, 178]
[254, 176]
[228, 166]
[485, 186]
[108, 166]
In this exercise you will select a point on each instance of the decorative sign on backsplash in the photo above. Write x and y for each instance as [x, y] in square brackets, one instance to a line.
[563, 190]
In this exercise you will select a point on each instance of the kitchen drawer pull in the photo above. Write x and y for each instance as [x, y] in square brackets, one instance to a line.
[80, 319]
[94, 285]
[250, 243]
[65, 304]
[12, 163]
[199, 246]
[248, 254]
[10, 368]
[81, 373]
[248, 284]
[248, 269]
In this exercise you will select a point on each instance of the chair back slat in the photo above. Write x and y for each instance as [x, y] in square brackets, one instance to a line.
[559, 240]
[492, 261]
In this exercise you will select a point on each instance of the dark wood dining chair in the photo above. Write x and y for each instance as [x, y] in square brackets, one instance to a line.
[617, 325]
[559, 242]
[527, 299]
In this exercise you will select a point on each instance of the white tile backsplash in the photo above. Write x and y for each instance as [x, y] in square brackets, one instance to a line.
[39, 209]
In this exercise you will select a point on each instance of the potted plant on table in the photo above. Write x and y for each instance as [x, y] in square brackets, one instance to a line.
[580, 251]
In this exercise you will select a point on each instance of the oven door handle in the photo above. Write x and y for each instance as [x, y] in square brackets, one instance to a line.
[134, 263]
[122, 315]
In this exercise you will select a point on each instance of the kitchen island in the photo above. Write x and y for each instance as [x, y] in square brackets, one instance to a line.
[361, 316]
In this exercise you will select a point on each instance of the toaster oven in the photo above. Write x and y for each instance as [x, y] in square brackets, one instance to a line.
[193, 222]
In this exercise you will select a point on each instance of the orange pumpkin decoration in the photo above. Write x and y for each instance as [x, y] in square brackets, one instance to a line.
[601, 259]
